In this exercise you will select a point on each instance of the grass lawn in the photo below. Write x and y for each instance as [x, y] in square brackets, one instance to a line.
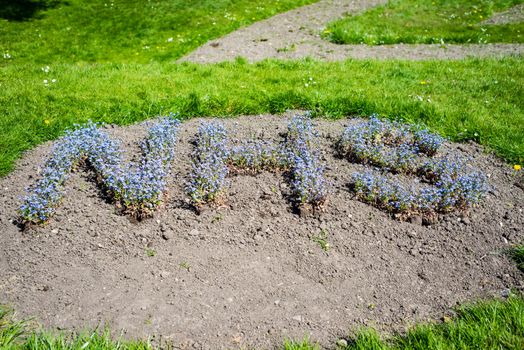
[489, 325]
[123, 30]
[427, 22]
[477, 100]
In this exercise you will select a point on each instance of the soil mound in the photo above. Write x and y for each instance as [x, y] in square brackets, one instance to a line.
[252, 272]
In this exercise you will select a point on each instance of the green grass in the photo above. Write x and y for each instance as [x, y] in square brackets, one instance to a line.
[427, 22]
[22, 335]
[304, 344]
[322, 240]
[113, 62]
[517, 254]
[490, 325]
[466, 100]
[124, 31]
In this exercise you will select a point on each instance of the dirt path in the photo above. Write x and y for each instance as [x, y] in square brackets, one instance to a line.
[295, 34]
[514, 14]
[250, 275]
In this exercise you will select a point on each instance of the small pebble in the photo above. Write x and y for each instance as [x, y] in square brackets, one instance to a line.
[194, 232]
[342, 343]
[416, 220]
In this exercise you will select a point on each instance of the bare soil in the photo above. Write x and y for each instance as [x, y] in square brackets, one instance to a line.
[296, 34]
[250, 274]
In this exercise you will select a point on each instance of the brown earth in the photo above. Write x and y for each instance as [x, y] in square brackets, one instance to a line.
[250, 274]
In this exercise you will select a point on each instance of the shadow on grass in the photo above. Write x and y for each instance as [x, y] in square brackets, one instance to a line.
[22, 10]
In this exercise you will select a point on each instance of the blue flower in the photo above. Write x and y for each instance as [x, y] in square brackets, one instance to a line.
[308, 184]
[136, 187]
[209, 164]
[454, 187]
[386, 144]
[256, 156]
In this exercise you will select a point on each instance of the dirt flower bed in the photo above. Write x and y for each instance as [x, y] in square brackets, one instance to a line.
[251, 271]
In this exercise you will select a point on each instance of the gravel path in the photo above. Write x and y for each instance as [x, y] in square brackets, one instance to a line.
[514, 14]
[296, 34]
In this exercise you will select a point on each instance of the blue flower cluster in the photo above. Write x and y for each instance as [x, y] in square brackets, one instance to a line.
[386, 144]
[456, 184]
[141, 186]
[300, 129]
[209, 164]
[308, 184]
[68, 152]
[253, 157]
[453, 187]
[396, 148]
[435, 169]
[383, 193]
[137, 188]
[427, 142]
